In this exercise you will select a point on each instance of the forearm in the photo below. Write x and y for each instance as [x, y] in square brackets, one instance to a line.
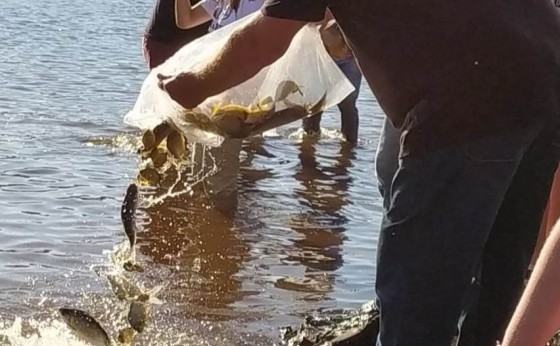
[537, 316]
[250, 49]
[187, 16]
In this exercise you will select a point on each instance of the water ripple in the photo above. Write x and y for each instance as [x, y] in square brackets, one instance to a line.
[304, 238]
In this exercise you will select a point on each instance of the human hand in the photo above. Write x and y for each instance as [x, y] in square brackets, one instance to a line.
[182, 88]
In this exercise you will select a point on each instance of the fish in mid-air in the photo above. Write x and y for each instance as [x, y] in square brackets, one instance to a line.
[126, 336]
[128, 218]
[85, 326]
[128, 213]
[138, 316]
[127, 290]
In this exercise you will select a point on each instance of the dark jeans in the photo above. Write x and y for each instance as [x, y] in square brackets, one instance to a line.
[348, 110]
[510, 246]
[443, 209]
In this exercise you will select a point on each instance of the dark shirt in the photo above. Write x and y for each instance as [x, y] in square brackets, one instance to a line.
[162, 26]
[481, 66]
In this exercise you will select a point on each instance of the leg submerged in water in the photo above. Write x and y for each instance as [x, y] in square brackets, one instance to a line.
[221, 185]
[312, 125]
[349, 114]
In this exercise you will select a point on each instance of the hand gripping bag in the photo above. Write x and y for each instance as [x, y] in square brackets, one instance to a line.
[304, 81]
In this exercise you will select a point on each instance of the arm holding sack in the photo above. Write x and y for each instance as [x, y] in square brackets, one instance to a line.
[261, 41]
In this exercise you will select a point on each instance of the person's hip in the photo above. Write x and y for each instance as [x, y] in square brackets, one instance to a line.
[156, 52]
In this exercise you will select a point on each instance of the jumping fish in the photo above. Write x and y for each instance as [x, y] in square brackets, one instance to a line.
[176, 144]
[150, 175]
[131, 266]
[161, 132]
[128, 213]
[126, 336]
[128, 217]
[148, 140]
[85, 326]
[126, 290]
[138, 316]
[153, 138]
[122, 288]
[159, 157]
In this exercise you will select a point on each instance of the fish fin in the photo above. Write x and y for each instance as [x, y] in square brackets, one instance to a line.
[152, 294]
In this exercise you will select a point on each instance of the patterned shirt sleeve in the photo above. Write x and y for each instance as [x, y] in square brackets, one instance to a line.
[209, 6]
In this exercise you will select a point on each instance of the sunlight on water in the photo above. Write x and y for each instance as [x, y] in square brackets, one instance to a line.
[302, 241]
[122, 142]
[56, 333]
[328, 134]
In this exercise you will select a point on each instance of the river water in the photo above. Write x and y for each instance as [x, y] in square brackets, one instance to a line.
[303, 240]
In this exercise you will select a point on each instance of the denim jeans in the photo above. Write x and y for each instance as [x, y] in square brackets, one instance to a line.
[441, 209]
[348, 110]
[510, 246]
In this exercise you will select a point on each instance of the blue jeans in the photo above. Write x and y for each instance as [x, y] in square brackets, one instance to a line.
[348, 110]
[510, 246]
[440, 211]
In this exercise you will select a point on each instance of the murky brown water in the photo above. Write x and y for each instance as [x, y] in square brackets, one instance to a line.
[303, 239]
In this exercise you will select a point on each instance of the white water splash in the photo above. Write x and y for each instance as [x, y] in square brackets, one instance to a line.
[328, 134]
[195, 178]
[34, 333]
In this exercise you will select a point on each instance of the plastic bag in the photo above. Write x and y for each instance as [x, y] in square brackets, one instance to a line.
[304, 81]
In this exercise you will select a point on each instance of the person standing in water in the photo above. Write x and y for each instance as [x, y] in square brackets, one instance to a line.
[474, 88]
[163, 37]
[343, 57]
[219, 165]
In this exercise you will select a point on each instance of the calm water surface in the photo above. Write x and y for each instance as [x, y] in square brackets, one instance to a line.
[302, 241]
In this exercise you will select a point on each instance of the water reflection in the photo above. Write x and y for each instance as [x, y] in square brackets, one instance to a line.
[201, 250]
[323, 192]
[249, 176]
[204, 253]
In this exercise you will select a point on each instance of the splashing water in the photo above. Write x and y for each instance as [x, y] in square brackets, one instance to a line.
[122, 142]
[329, 134]
[34, 333]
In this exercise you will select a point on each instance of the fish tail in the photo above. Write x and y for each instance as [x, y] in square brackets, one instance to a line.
[152, 294]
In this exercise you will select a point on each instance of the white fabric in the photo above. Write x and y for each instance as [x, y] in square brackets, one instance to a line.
[222, 13]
